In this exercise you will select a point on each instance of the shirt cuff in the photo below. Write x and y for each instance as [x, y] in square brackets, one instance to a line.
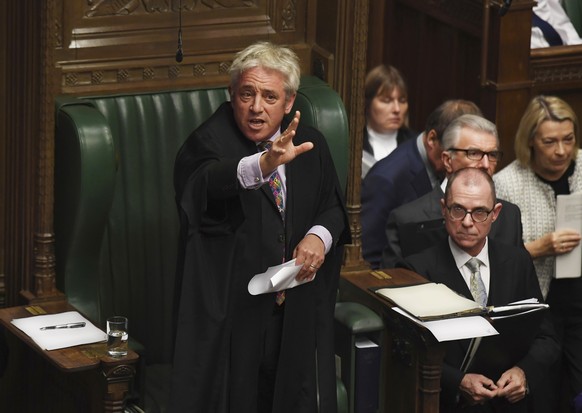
[249, 172]
[323, 234]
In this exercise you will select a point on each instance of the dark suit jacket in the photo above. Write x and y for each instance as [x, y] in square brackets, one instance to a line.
[229, 234]
[395, 180]
[419, 224]
[513, 278]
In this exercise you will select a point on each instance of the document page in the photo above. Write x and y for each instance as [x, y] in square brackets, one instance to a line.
[431, 301]
[569, 216]
[55, 331]
[455, 328]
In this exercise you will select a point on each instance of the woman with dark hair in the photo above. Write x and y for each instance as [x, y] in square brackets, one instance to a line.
[386, 108]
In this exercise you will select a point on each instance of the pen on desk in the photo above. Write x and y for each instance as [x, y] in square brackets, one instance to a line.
[68, 325]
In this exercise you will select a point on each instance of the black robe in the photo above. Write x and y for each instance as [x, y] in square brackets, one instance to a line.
[229, 234]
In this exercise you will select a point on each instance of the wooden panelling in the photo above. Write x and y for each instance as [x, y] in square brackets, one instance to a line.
[436, 46]
[558, 71]
[22, 103]
[3, 129]
[133, 45]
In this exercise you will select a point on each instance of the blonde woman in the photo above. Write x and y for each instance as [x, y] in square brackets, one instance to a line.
[548, 164]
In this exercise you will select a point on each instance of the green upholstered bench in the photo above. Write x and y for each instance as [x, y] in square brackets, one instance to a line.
[116, 222]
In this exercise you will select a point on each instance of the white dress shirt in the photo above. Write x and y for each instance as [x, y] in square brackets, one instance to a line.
[250, 177]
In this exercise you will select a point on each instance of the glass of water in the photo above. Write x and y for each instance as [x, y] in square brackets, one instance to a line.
[117, 336]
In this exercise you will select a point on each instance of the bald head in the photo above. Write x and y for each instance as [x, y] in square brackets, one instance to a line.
[472, 177]
[469, 208]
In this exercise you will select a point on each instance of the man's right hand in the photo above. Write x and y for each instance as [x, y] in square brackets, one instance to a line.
[283, 150]
[477, 389]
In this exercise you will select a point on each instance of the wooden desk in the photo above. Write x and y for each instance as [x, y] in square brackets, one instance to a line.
[94, 381]
[411, 356]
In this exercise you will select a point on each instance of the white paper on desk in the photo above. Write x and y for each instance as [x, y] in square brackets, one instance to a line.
[277, 278]
[59, 338]
[455, 328]
[569, 216]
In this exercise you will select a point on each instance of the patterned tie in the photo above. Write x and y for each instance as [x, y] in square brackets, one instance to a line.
[276, 186]
[477, 287]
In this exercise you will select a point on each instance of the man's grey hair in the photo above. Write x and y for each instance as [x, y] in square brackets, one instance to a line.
[452, 133]
[269, 56]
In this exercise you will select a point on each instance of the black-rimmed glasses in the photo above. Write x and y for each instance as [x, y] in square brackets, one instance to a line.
[458, 213]
[477, 154]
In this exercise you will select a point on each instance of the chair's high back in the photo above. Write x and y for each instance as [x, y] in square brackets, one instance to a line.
[116, 223]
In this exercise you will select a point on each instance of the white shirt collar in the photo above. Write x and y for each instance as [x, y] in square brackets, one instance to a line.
[461, 257]
[382, 143]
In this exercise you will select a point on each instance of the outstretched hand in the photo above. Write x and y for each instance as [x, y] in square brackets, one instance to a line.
[283, 149]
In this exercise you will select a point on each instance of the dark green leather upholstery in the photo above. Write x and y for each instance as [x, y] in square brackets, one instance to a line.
[328, 115]
[116, 223]
[352, 321]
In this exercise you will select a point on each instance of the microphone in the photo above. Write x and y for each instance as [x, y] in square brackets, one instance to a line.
[505, 7]
[179, 52]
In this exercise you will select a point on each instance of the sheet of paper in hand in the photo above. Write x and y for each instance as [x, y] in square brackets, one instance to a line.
[277, 278]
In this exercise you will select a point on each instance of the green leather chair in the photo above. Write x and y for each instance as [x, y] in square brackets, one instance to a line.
[573, 9]
[116, 223]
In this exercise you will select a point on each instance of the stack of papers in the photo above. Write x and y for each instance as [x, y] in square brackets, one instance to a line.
[450, 316]
[56, 338]
[431, 301]
[446, 314]
[455, 328]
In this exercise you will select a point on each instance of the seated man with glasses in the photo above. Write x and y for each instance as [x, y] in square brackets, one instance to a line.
[491, 273]
[458, 213]
[468, 141]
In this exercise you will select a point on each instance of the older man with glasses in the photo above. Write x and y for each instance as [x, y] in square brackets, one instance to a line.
[470, 141]
[491, 273]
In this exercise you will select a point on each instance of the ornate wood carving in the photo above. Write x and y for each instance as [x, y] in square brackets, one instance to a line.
[288, 16]
[173, 74]
[557, 65]
[44, 254]
[117, 45]
[118, 378]
[97, 8]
